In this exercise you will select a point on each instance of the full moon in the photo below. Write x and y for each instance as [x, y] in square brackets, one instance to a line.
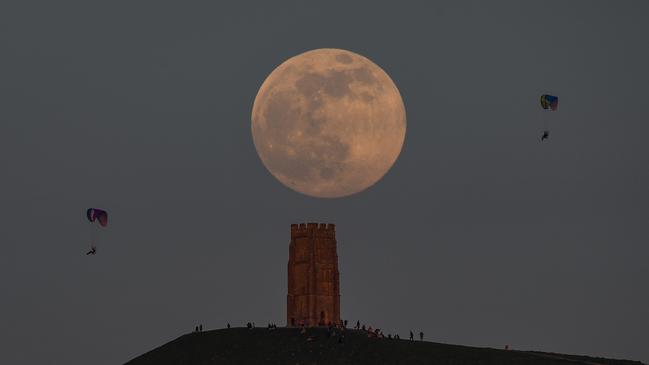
[328, 123]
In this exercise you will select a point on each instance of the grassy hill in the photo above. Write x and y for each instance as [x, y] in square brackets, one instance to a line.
[287, 346]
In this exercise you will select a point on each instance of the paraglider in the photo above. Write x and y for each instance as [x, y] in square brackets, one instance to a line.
[99, 215]
[98, 218]
[549, 103]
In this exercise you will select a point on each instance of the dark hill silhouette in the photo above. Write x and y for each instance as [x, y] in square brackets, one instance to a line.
[286, 346]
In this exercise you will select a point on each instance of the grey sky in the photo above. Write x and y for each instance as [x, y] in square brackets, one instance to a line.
[479, 234]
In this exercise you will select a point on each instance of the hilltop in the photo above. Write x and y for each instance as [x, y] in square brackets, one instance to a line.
[244, 346]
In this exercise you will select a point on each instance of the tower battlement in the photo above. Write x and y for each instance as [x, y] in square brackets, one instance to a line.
[325, 230]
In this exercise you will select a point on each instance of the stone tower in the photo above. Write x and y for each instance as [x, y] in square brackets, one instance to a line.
[313, 293]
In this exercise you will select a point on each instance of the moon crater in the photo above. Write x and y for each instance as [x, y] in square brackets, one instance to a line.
[328, 123]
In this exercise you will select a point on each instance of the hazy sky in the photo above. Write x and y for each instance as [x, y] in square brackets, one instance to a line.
[479, 235]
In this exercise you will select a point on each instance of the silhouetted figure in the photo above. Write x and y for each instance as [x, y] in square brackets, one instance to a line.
[200, 328]
[545, 135]
[249, 325]
[228, 326]
[345, 323]
[363, 327]
[389, 336]
[421, 336]
[93, 250]
[412, 336]
[196, 329]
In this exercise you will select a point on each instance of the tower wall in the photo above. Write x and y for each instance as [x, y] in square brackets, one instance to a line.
[313, 280]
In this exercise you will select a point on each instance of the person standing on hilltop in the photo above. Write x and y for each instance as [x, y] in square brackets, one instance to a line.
[412, 336]
[421, 336]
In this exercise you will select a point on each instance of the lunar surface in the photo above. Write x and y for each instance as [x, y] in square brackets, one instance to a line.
[328, 123]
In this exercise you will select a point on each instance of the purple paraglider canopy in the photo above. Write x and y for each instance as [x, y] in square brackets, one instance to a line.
[95, 214]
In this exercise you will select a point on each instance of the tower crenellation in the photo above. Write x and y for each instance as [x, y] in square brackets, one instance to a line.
[313, 229]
